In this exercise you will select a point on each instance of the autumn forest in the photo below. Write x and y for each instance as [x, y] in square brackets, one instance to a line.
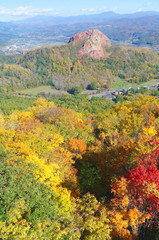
[74, 167]
[74, 175]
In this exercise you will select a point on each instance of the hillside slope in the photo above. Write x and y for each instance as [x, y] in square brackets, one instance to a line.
[64, 68]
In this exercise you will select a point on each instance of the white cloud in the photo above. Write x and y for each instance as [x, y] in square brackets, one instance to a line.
[24, 11]
[84, 9]
[104, 9]
[92, 10]
[4, 11]
[140, 10]
[99, 10]
[115, 9]
[89, 9]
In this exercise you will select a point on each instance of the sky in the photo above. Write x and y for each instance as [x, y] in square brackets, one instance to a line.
[20, 9]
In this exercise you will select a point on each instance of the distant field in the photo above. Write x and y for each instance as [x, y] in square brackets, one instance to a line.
[47, 89]
[124, 84]
[119, 84]
[151, 82]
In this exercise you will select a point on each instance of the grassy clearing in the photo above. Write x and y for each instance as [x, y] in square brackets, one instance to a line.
[151, 82]
[120, 83]
[47, 89]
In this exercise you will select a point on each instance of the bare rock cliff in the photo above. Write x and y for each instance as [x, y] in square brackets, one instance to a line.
[93, 43]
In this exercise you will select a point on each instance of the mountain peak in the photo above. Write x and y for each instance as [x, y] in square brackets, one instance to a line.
[93, 44]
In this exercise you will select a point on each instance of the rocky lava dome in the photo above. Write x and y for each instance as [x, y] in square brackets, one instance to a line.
[93, 44]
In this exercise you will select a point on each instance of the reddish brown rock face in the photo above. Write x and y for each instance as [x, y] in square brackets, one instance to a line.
[93, 44]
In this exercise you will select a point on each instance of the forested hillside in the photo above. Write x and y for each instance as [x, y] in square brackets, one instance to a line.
[60, 67]
[66, 175]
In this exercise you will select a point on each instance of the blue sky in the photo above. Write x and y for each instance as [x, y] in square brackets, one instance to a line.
[18, 9]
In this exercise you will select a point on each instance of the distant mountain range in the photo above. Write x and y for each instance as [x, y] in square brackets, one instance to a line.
[139, 28]
[93, 18]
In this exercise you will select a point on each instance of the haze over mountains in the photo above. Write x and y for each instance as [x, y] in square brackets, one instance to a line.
[92, 18]
[140, 28]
